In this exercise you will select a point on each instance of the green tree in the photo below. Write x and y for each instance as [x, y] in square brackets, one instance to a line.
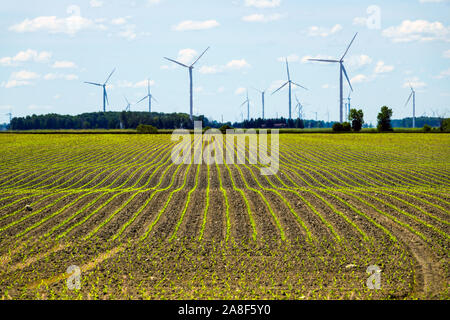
[384, 119]
[357, 119]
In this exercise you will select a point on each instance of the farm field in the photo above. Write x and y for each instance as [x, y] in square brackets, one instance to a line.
[141, 227]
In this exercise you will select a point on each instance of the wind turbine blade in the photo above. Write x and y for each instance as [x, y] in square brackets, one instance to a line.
[95, 84]
[243, 103]
[126, 100]
[154, 99]
[200, 57]
[299, 85]
[346, 76]
[148, 86]
[287, 68]
[280, 88]
[181, 64]
[110, 76]
[142, 99]
[349, 46]
[409, 99]
[324, 60]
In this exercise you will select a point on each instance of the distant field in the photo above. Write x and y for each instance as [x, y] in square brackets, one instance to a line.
[141, 227]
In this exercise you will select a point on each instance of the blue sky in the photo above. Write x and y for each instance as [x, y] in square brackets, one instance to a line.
[50, 47]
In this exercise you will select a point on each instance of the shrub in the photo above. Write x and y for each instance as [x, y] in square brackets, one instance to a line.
[337, 127]
[143, 128]
[426, 128]
[346, 127]
[224, 128]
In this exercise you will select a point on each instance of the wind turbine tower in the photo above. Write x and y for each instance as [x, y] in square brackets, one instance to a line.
[191, 68]
[290, 83]
[348, 105]
[248, 106]
[105, 95]
[412, 95]
[263, 93]
[342, 72]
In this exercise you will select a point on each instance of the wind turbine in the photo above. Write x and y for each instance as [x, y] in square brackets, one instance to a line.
[342, 71]
[348, 105]
[105, 95]
[299, 108]
[128, 108]
[248, 106]
[263, 93]
[290, 83]
[191, 67]
[149, 96]
[413, 95]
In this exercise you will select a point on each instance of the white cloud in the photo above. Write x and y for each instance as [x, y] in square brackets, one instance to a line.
[128, 32]
[262, 18]
[96, 3]
[24, 75]
[119, 21]
[56, 76]
[236, 64]
[262, 4]
[153, 2]
[290, 58]
[186, 56]
[64, 65]
[446, 54]
[52, 24]
[360, 61]
[240, 90]
[20, 78]
[381, 67]
[15, 83]
[24, 56]
[326, 86]
[443, 74]
[190, 25]
[315, 31]
[419, 30]
[359, 79]
[415, 82]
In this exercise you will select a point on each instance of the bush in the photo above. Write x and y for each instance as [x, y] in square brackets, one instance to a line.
[224, 128]
[346, 127]
[337, 127]
[426, 128]
[143, 128]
